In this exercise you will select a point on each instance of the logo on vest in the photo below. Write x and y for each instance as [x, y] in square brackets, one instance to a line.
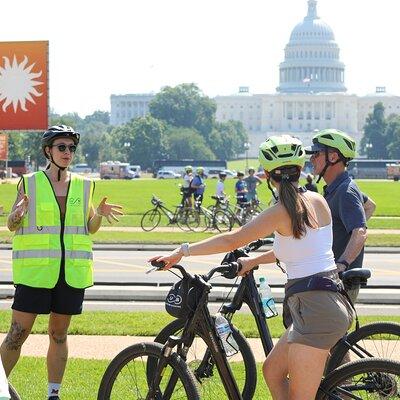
[74, 201]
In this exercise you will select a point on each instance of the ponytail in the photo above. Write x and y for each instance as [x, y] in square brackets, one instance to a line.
[296, 206]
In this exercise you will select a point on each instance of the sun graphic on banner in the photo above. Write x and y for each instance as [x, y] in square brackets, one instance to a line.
[17, 83]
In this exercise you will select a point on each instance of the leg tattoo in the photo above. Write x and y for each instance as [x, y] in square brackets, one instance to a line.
[15, 336]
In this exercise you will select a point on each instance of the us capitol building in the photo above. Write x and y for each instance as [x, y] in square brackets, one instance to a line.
[311, 93]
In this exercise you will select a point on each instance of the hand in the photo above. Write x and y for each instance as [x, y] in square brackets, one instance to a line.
[170, 260]
[340, 267]
[247, 265]
[109, 210]
[21, 209]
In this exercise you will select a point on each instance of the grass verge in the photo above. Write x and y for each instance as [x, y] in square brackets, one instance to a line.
[151, 323]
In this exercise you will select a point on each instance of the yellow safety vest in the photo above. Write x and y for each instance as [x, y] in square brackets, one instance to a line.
[42, 241]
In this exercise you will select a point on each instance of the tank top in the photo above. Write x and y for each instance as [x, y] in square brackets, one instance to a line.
[309, 255]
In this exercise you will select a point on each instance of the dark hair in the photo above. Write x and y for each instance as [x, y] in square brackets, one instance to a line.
[294, 203]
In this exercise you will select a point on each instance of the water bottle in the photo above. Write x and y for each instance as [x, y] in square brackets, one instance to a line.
[225, 333]
[267, 300]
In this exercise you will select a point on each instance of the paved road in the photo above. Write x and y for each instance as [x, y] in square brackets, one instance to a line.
[130, 266]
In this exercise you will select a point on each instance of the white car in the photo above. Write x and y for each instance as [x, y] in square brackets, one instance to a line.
[167, 175]
[214, 173]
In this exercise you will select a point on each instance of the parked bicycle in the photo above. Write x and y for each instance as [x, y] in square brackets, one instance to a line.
[368, 377]
[372, 340]
[183, 217]
[206, 219]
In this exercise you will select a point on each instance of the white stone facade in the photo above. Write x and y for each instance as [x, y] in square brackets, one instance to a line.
[129, 106]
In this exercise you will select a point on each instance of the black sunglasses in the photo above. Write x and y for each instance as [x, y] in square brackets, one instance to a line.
[63, 147]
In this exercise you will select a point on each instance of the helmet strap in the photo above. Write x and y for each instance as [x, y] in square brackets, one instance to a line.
[59, 168]
[329, 163]
[272, 190]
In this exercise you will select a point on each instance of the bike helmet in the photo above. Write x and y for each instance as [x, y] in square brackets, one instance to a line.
[251, 169]
[221, 174]
[53, 133]
[281, 151]
[334, 139]
[199, 169]
[188, 168]
[181, 299]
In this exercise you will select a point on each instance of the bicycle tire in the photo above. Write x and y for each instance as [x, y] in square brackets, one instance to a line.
[150, 220]
[184, 217]
[13, 393]
[153, 351]
[200, 222]
[372, 375]
[381, 330]
[247, 385]
[222, 221]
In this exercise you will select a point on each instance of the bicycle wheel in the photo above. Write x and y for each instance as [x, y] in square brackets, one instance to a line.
[199, 222]
[185, 218]
[13, 393]
[200, 361]
[150, 220]
[371, 378]
[222, 221]
[380, 339]
[126, 376]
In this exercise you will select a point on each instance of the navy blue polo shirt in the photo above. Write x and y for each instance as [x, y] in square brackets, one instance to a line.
[346, 203]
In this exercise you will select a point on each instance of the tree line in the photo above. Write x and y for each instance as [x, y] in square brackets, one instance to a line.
[180, 124]
[381, 138]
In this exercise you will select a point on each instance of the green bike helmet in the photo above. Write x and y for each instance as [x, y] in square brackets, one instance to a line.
[281, 151]
[188, 168]
[335, 139]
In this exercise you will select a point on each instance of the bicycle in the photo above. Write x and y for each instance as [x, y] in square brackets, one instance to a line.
[247, 292]
[204, 218]
[378, 376]
[181, 216]
[239, 214]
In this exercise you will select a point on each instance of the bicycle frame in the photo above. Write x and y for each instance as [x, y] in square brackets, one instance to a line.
[200, 322]
[247, 292]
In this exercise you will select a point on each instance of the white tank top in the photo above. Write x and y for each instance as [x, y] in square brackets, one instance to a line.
[310, 254]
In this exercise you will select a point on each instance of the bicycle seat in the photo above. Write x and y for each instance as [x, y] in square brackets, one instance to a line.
[355, 277]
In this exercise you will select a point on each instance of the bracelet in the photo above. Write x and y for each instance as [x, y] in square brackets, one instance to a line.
[344, 262]
[185, 249]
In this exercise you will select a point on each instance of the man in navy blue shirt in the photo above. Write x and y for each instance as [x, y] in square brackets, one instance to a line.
[198, 185]
[331, 152]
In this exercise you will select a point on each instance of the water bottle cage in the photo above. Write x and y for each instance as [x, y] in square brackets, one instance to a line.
[272, 311]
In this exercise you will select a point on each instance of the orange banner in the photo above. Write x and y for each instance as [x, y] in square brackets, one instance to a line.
[3, 147]
[24, 85]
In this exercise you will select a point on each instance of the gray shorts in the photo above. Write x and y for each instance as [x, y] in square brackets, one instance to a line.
[319, 318]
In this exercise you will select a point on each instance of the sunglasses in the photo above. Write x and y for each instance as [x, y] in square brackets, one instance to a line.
[63, 147]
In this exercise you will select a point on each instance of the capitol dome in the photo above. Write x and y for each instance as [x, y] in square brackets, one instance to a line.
[312, 61]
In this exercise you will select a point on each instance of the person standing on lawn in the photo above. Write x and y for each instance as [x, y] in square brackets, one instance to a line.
[52, 218]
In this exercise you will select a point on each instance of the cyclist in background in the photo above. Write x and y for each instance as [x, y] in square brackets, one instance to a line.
[186, 186]
[220, 190]
[310, 185]
[331, 152]
[302, 223]
[52, 218]
[241, 188]
[198, 186]
[252, 181]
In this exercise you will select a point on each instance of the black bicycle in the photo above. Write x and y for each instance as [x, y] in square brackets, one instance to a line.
[371, 376]
[372, 340]
[13, 393]
[183, 216]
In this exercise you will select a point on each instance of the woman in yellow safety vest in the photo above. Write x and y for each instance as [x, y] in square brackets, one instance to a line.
[52, 218]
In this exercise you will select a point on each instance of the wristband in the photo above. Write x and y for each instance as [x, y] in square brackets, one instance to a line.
[344, 262]
[185, 249]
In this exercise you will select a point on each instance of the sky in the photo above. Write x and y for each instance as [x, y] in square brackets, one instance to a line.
[99, 48]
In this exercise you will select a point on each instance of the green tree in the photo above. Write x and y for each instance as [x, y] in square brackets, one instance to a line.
[393, 136]
[181, 143]
[98, 116]
[184, 106]
[227, 139]
[373, 143]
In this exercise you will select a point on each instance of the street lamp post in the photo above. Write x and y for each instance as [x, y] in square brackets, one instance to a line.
[247, 147]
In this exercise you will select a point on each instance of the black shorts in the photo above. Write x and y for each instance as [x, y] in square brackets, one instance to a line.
[62, 299]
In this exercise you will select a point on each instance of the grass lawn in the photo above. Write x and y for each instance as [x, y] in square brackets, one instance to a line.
[151, 323]
[82, 379]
